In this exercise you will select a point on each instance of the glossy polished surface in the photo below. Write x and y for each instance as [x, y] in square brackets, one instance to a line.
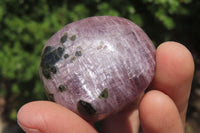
[98, 65]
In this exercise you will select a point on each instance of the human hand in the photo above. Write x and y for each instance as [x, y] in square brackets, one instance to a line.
[161, 110]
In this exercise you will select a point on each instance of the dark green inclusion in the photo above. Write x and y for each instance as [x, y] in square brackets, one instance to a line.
[104, 94]
[73, 58]
[62, 88]
[78, 53]
[48, 60]
[73, 38]
[66, 56]
[63, 38]
[51, 97]
[85, 108]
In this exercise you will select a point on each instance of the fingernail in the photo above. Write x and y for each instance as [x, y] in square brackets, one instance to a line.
[28, 130]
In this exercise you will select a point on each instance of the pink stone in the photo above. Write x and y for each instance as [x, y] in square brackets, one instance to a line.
[97, 66]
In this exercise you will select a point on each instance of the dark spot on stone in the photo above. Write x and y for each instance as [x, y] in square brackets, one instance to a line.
[85, 109]
[66, 56]
[63, 39]
[104, 94]
[73, 58]
[51, 97]
[79, 47]
[60, 50]
[73, 38]
[47, 49]
[62, 88]
[48, 60]
[99, 47]
[78, 53]
[46, 73]
[53, 69]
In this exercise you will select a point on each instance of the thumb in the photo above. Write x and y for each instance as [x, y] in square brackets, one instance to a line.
[49, 117]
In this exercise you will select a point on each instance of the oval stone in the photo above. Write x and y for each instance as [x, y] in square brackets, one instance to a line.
[97, 66]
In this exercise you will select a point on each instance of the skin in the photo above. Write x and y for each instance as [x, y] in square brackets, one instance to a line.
[161, 110]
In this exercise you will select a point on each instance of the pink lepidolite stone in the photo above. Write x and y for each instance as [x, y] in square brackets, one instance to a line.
[97, 66]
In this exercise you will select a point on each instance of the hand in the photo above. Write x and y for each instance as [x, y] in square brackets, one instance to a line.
[161, 110]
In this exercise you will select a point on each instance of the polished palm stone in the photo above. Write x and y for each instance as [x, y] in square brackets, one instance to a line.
[97, 66]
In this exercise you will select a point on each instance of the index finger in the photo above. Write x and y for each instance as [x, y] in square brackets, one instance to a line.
[174, 74]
